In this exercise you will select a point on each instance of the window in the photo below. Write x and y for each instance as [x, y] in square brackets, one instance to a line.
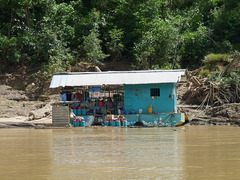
[155, 91]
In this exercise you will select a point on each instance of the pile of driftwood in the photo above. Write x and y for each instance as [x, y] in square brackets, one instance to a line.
[210, 93]
[205, 92]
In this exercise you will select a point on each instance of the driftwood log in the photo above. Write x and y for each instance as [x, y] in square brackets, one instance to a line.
[211, 93]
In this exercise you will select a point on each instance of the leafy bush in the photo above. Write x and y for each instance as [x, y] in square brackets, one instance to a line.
[204, 72]
[227, 81]
[214, 76]
[230, 80]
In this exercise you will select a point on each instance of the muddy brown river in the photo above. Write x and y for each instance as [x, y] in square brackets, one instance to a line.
[194, 152]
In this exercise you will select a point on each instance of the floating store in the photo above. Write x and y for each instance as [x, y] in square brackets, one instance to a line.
[145, 98]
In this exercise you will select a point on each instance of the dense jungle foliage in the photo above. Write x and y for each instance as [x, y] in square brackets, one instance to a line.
[148, 34]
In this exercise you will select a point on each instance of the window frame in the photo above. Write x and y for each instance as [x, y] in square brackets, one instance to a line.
[155, 92]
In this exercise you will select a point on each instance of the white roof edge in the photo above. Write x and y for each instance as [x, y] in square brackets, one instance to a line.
[116, 78]
[116, 72]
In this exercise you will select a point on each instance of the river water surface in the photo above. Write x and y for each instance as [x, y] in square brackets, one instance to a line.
[195, 152]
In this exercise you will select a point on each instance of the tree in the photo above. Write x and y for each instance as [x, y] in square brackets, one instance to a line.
[92, 43]
[114, 44]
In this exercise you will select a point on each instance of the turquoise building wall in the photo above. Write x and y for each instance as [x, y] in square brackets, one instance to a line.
[139, 97]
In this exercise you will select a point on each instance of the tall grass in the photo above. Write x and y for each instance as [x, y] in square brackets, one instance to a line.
[214, 58]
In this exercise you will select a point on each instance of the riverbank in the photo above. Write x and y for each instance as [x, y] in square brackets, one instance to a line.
[196, 117]
[19, 109]
[22, 121]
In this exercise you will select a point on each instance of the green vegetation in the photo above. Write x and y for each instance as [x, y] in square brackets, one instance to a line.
[214, 58]
[204, 72]
[149, 34]
[214, 62]
[228, 81]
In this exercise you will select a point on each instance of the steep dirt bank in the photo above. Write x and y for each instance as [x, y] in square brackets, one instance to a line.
[18, 110]
[23, 103]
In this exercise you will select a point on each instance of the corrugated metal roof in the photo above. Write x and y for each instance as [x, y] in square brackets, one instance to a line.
[116, 78]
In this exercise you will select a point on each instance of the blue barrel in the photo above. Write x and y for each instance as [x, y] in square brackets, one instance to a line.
[124, 123]
[84, 112]
[75, 111]
[82, 123]
[117, 123]
[77, 124]
[107, 122]
[79, 112]
[112, 123]
[74, 122]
